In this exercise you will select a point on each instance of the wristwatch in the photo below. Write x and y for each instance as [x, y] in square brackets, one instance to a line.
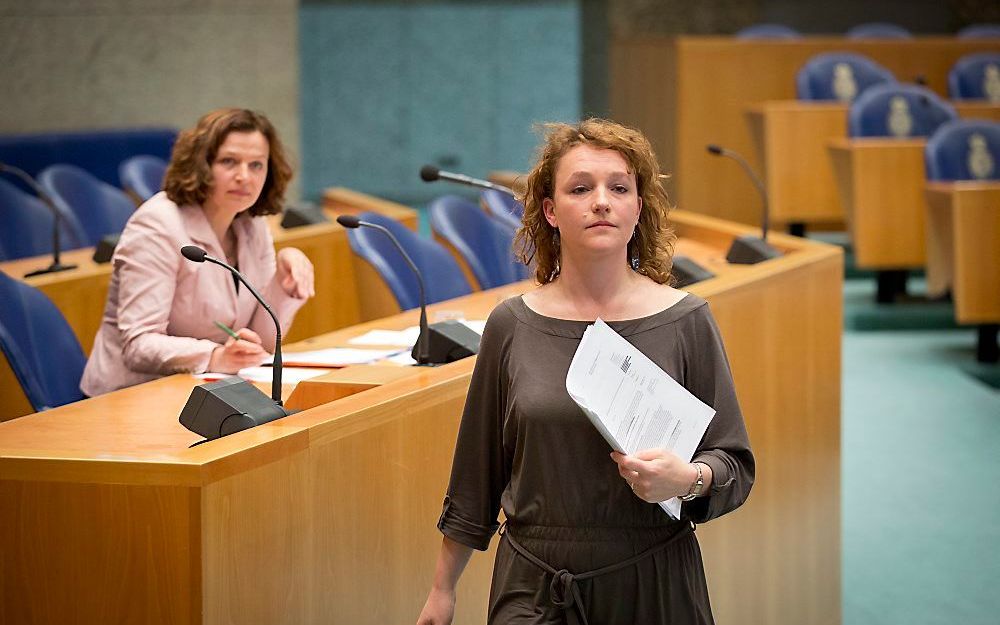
[697, 487]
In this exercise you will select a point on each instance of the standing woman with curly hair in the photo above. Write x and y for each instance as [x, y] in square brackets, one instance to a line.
[584, 540]
[160, 318]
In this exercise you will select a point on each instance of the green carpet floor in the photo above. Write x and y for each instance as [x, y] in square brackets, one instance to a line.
[920, 479]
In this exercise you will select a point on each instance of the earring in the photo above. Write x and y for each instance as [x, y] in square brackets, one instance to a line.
[633, 253]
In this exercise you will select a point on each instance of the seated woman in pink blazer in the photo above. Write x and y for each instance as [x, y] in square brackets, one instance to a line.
[225, 174]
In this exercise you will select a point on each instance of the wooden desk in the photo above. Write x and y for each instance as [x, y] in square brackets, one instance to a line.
[963, 253]
[686, 92]
[329, 515]
[791, 139]
[880, 183]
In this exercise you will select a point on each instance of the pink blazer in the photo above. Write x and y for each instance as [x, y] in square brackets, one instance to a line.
[159, 316]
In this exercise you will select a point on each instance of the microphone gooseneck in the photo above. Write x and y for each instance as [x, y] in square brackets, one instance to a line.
[423, 353]
[430, 173]
[754, 178]
[198, 255]
[56, 220]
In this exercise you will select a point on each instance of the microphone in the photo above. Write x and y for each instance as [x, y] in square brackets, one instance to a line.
[747, 250]
[220, 408]
[420, 353]
[56, 265]
[430, 173]
[442, 342]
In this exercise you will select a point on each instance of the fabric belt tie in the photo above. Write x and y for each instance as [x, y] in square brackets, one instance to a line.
[564, 592]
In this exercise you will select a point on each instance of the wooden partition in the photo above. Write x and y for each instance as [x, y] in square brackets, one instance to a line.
[328, 516]
[963, 247]
[686, 92]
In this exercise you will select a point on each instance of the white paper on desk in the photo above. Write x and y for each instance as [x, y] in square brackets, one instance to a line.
[408, 337]
[335, 357]
[289, 375]
[632, 402]
[388, 337]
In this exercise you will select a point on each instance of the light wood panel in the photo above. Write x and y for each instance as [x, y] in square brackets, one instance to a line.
[963, 247]
[328, 516]
[790, 139]
[881, 187]
[686, 92]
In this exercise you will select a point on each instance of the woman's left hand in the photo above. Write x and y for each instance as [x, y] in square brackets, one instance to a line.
[295, 273]
[656, 474]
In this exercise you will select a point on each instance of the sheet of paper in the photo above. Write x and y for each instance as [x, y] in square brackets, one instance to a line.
[632, 402]
[335, 357]
[407, 337]
[388, 337]
[289, 375]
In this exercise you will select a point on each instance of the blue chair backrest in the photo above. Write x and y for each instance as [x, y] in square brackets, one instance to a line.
[100, 208]
[767, 31]
[964, 149]
[503, 207]
[839, 76]
[143, 175]
[485, 243]
[878, 30]
[975, 77]
[443, 278]
[39, 345]
[98, 152]
[979, 31]
[898, 110]
[26, 225]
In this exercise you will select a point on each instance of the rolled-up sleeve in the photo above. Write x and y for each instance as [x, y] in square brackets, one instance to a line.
[480, 472]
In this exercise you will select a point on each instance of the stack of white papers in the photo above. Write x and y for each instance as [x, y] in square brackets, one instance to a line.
[633, 403]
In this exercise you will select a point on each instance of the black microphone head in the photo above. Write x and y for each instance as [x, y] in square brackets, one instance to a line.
[429, 173]
[713, 149]
[349, 221]
[193, 253]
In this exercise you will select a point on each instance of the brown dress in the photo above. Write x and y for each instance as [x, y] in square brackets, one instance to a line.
[525, 446]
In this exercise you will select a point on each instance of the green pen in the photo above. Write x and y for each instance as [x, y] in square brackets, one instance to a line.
[227, 330]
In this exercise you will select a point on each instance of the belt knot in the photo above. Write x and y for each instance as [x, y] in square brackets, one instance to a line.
[561, 590]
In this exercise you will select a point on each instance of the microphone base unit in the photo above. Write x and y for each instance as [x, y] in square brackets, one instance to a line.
[230, 405]
[53, 268]
[686, 272]
[448, 341]
[750, 250]
[305, 214]
[106, 248]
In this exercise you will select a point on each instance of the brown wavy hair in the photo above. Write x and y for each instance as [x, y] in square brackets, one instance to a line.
[652, 246]
[189, 176]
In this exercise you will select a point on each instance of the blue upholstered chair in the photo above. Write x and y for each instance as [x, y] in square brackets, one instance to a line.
[26, 225]
[443, 278]
[839, 76]
[767, 31]
[503, 207]
[142, 175]
[897, 110]
[979, 31]
[41, 348]
[100, 208]
[485, 243]
[964, 149]
[975, 77]
[878, 30]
